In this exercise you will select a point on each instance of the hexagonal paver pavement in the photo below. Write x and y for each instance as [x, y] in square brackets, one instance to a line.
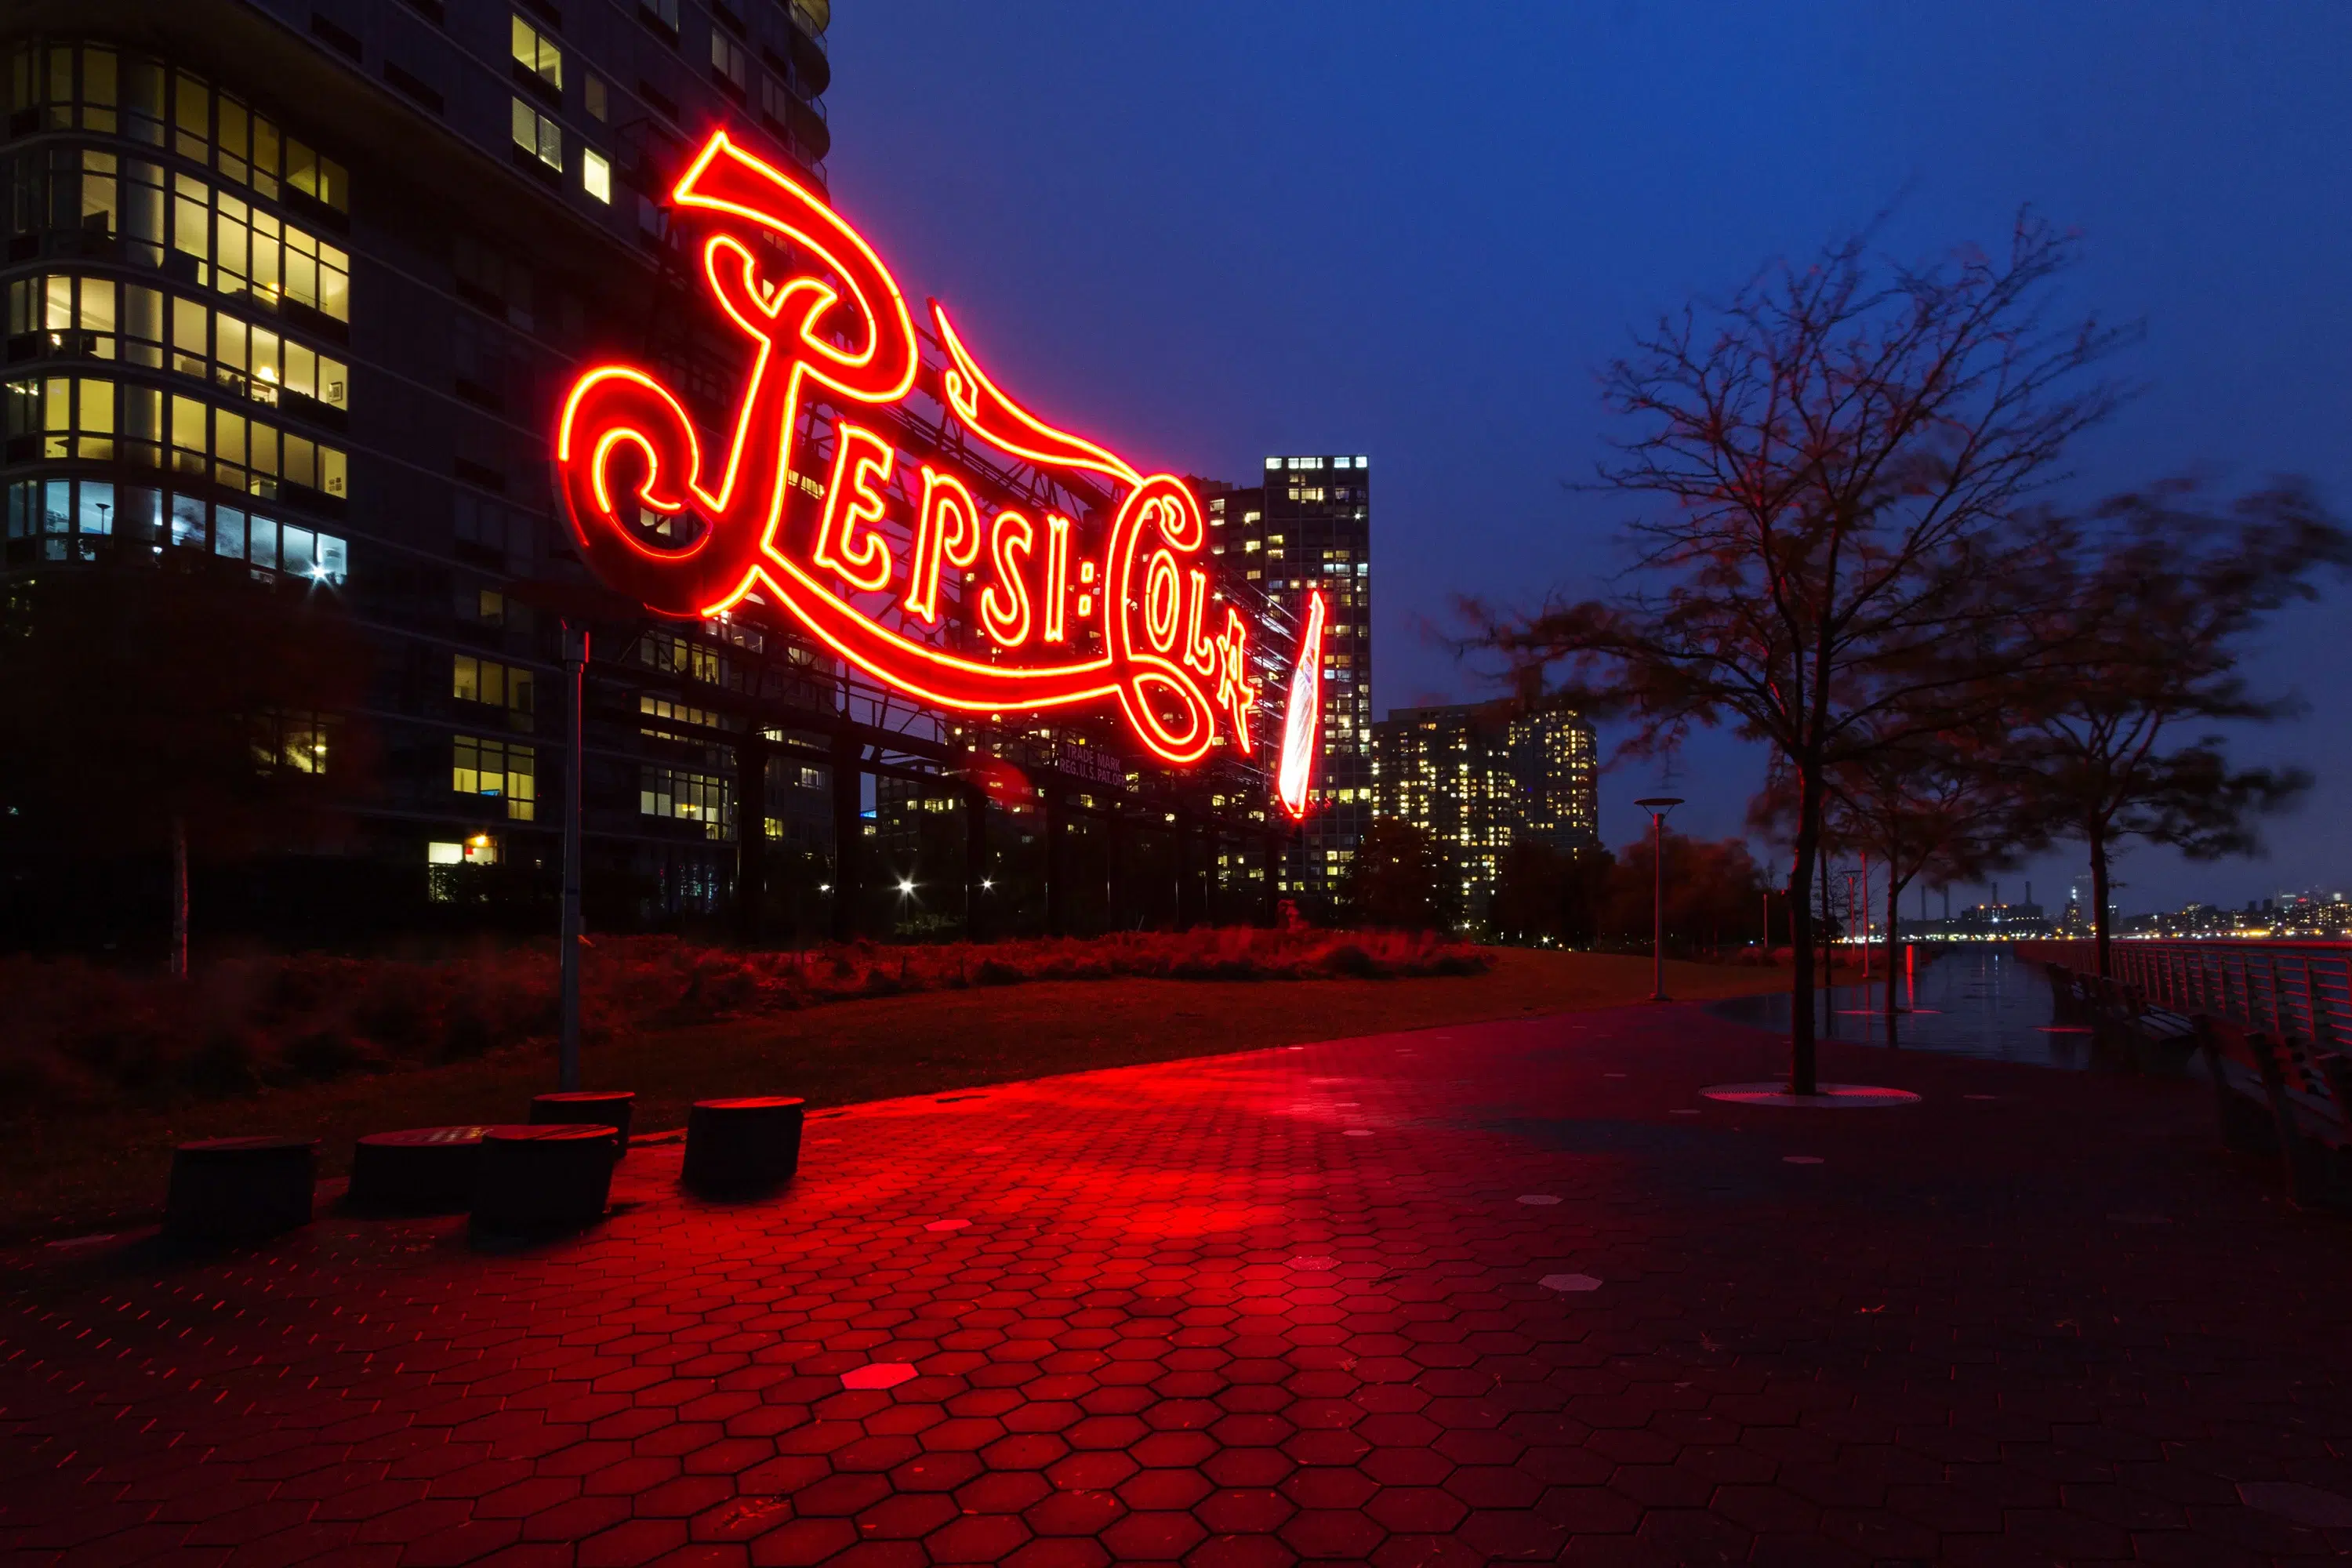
[1542, 1310]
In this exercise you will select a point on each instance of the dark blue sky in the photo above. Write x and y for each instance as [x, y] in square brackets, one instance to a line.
[1210, 231]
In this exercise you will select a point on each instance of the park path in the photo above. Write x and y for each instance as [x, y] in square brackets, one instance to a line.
[1503, 1292]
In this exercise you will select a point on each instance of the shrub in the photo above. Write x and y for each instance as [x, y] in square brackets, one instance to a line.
[78, 1033]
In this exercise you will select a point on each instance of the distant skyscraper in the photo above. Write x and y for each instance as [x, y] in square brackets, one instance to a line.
[1552, 766]
[1309, 525]
[1479, 783]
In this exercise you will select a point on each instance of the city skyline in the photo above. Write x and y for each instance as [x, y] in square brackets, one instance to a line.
[1504, 187]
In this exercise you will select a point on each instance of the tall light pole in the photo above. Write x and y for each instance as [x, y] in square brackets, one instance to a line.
[576, 661]
[1849, 903]
[1657, 806]
[1866, 927]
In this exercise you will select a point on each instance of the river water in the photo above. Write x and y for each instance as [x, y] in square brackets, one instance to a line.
[1971, 1001]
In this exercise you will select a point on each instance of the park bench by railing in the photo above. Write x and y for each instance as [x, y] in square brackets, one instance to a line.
[2273, 1021]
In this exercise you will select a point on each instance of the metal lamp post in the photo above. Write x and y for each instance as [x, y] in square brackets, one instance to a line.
[1850, 907]
[576, 661]
[1657, 806]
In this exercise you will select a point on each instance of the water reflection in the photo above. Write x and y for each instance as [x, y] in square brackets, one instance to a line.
[1970, 1001]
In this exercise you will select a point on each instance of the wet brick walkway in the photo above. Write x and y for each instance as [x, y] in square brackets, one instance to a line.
[1510, 1292]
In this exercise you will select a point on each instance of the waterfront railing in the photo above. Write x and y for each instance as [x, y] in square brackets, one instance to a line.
[2298, 988]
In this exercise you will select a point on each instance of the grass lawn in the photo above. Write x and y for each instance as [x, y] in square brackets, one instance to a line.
[62, 1175]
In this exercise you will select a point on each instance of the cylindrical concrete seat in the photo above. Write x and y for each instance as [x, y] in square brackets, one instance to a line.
[594, 1107]
[553, 1176]
[240, 1189]
[420, 1170]
[742, 1146]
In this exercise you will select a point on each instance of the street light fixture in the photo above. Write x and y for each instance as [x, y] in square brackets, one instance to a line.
[1657, 806]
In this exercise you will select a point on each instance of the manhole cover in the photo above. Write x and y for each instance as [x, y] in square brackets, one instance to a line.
[1570, 1282]
[2297, 1503]
[878, 1375]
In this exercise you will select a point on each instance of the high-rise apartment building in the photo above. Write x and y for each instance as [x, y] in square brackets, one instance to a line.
[1479, 783]
[1307, 526]
[293, 288]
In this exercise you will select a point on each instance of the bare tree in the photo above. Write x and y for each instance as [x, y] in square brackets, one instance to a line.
[1940, 807]
[1840, 459]
[2161, 591]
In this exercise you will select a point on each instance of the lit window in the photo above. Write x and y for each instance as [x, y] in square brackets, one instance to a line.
[538, 136]
[689, 797]
[241, 251]
[536, 53]
[596, 176]
[674, 714]
[244, 357]
[67, 417]
[497, 769]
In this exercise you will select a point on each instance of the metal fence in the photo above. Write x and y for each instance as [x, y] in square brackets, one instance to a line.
[2299, 988]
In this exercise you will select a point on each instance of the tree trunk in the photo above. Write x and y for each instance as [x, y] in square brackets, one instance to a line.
[179, 896]
[1894, 925]
[2098, 842]
[1800, 938]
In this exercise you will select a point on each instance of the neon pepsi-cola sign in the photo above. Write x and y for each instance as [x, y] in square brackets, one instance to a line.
[897, 544]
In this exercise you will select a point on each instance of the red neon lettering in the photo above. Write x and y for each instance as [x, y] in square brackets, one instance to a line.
[1235, 689]
[1199, 653]
[1058, 578]
[948, 531]
[860, 459]
[839, 336]
[1161, 594]
[1302, 720]
[1004, 608]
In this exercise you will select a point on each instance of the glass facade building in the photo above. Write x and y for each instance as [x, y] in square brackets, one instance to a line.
[292, 289]
[1478, 782]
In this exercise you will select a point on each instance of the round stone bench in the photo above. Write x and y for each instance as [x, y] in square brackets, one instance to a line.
[594, 1107]
[240, 1189]
[739, 1146]
[419, 1170]
[552, 1177]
